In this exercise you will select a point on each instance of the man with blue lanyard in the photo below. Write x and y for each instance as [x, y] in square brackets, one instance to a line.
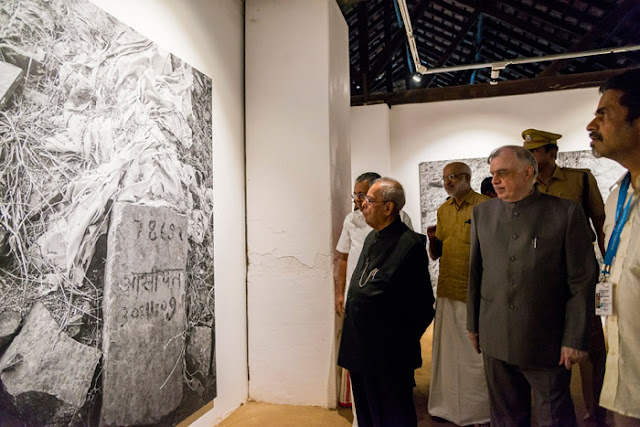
[615, 133]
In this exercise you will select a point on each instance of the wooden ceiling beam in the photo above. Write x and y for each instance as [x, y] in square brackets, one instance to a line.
[495, 29]
[463, 77]
[355, 79]
[363, 45]
[444, 17]
[567, 9]
[454, 45]
[430, 37]
[432, 29]
[493, 12]
[388, 72]
[517, 71]
[557, 24]
[516, 87]
[606, 25]
[397, 40]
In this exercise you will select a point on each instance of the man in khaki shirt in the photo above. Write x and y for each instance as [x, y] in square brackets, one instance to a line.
[615, 134]
[457, 372]
[580, 186]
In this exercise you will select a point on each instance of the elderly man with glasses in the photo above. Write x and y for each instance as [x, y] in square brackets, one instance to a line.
[389, 306]
[354, 231]
[531, 297]
[457, 372]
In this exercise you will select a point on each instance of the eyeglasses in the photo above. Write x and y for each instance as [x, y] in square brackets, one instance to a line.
[502, 173]
[452, 176]
[369, 199]
[358, 196]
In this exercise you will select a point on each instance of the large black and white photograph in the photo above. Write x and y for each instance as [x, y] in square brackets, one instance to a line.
[106, 222]
[432, 192]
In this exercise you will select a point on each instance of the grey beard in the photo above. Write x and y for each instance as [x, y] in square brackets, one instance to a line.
[595, 153]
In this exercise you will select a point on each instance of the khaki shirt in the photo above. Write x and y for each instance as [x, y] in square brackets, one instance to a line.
[621, 387]
[568, 183]
[452, 229]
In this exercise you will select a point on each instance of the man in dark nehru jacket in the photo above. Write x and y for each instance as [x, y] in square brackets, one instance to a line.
[389, 306]
[531, 296]
[580, 186]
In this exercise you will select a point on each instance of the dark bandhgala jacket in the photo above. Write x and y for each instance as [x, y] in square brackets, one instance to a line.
[532, 279]
[389, 303]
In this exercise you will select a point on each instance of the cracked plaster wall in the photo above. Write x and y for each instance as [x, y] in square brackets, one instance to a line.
[370, 140]
[298, 157]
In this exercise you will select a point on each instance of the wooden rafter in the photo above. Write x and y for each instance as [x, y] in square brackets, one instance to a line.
[443, 30]
[486, 90]
[605, 26]
[388, 72]
[454, 45]
[397, 40]
[493, 12]
[363, 46]
[558, 25]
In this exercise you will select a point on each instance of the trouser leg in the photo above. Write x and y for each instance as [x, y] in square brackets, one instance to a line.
[592, 373]
[361, 399]
[509, 394]
[586, 378]
[353, 404]
[551, 396]
[598, 357]
[384, 399]
[620, 420]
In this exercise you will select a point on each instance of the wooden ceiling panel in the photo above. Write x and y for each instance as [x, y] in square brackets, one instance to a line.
[463, 32]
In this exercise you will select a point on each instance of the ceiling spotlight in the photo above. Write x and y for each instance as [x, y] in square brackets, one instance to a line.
[417, 77]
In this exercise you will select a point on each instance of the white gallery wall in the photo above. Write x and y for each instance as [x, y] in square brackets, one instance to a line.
[210, 36]
[472, 128]
[297, 147]
[370, 133]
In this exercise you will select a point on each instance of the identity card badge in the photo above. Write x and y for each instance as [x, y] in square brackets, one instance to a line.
[604, 299]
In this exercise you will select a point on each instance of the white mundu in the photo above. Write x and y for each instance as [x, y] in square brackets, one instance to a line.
[458, 391]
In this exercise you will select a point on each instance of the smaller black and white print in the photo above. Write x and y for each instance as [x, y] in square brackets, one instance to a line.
[432, 193]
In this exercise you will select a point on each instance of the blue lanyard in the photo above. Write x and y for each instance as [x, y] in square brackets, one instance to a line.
[622, 213]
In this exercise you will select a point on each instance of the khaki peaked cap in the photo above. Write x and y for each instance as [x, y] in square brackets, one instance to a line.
[534, 138]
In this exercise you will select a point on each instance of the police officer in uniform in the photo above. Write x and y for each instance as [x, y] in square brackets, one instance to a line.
[580, 186]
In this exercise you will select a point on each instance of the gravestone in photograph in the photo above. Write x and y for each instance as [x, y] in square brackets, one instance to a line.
[144, 314]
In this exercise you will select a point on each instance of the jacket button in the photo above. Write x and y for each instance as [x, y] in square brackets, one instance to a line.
[511, 307]
[512, 258]
[514, 236]
[516, 213]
